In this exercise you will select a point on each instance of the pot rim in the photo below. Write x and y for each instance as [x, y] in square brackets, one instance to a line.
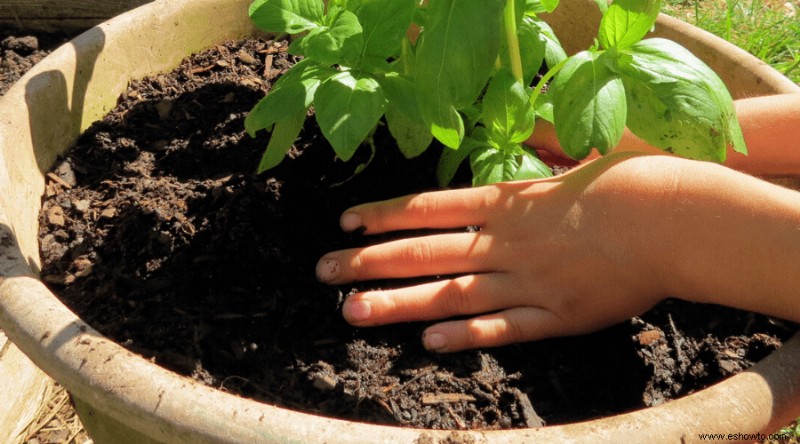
[172, 408]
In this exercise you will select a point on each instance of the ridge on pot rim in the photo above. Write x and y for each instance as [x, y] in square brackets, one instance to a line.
[42, 116]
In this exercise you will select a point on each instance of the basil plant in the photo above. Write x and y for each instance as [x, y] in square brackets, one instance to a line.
[470, 79]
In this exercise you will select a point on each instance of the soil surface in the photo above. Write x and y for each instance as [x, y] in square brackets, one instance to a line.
[19, 51]
[156, 231]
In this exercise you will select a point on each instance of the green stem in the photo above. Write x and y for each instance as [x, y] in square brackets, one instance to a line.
[514, 54]
[405, 56]
[546, 78]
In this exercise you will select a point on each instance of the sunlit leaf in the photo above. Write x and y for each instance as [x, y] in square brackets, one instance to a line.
[589, 105]
[291, 94]
[507, 110]
[347, 108]
[283, 137]
[454, 59]
[385, 23]
[679, 104]
[290, 16]
[627, 21]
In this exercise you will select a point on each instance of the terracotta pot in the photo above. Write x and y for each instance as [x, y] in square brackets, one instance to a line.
[124, 398]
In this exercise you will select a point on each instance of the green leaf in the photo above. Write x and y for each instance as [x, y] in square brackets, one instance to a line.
[412, 135]
[549, 5]
[283, 137]
[374, 65]
[507, 110]
[603, 5]
[408, 58]
[276, 106]
[421, 16]
[553, 52]
[532, 48]
[401, 93]
[679, 104]
[447, 127]
[291, 94]
[490, 165]
[533, 7]
[472, 116]
[519, 10]
[627, 21]
[350, 5]
[290, 16]
[531, 167]
[339, 42]
[452, 159]
[543, 108]
[348, 107]
[454, 59]
[385, 23]
[589, 105]
[403, 117]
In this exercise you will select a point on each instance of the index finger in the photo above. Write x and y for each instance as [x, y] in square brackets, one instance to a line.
[436, 210]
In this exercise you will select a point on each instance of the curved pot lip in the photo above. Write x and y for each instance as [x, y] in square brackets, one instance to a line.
[768, 80]
[171, 408]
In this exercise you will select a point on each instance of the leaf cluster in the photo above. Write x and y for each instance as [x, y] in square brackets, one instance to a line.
[658, 89]
[466, 79]
[346, 74]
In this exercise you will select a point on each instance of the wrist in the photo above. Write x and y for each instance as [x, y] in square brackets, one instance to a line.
[628, 196]
[727, 239]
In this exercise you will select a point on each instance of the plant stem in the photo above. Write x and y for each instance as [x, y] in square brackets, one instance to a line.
[405, 56]
[546, 78]
[510, 27]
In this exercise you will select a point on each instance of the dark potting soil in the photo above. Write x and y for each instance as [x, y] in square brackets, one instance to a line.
[156, 231]
[19, 51]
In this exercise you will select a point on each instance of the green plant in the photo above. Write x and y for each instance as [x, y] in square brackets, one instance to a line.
[467, 81]
[792, 430]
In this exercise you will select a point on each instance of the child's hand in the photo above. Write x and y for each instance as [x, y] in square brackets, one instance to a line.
[553, 257]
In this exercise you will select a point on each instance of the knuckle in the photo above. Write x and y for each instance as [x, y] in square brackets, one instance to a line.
[419, 252]
[490, 198]
[422, 206]
[500, 331]
[355, 266]
[513, 331]
[374, 217]
[474, 335]
[565, 305]
[456, 299]
[482, 334]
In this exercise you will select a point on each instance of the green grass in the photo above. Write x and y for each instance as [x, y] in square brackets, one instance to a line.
[765, 28]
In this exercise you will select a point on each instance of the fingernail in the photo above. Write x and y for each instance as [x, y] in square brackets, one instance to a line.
[434, 341]
[350, 222]
[357, 311]
[327, 269]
